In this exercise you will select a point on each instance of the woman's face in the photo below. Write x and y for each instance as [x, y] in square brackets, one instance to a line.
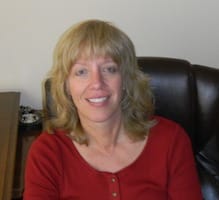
[96, 88]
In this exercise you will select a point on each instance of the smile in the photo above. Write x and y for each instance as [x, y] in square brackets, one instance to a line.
[97, 100]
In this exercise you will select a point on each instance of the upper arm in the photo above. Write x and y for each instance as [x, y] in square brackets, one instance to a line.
[42, 173]
[183, 180]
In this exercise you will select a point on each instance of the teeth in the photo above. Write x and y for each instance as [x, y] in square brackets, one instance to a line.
[97, 100]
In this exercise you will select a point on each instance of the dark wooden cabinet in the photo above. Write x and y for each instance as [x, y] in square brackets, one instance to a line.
[26, 135]
[9, 113]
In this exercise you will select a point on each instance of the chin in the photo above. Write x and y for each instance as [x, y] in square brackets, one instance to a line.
[101, 118]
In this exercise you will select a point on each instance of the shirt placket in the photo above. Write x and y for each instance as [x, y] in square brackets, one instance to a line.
[114, 188]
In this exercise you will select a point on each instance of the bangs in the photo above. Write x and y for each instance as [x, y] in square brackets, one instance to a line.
[96, 40]
[91, 49]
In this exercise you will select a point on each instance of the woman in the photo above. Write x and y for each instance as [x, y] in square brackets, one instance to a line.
[103, 141]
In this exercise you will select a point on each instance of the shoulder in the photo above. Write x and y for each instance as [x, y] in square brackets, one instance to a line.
[169, 130]
[162, 122]
[168, 139]
[44, 165]
[46, 154]
[45, 139]
[47, 144]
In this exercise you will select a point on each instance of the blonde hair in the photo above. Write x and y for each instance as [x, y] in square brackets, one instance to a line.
[99, 38]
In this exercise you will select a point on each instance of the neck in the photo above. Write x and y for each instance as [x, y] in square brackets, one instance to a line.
[105, 135]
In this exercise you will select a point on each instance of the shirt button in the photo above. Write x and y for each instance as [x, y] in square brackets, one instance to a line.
[114, 194]
[113, 180]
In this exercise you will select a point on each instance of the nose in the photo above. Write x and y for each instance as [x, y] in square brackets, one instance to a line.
[97, 80]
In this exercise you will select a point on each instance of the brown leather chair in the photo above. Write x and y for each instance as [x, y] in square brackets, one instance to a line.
[189, 95]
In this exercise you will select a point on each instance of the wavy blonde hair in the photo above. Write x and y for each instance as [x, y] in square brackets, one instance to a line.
[99, 38]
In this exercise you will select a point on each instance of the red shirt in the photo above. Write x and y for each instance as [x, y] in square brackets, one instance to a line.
[165, 170]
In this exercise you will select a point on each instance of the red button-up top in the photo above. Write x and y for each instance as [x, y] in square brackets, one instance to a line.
[164, 170]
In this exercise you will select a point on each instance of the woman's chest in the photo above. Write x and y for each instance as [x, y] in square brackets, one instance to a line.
[143, 179]
[87, 185]
[111, 159]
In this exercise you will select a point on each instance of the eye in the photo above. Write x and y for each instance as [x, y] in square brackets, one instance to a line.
[81, 72]
[110, 69]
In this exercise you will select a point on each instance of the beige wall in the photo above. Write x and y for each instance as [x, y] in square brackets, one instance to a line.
[29, 29]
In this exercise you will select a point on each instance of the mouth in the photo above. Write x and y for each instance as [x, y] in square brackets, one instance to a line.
[97, 100]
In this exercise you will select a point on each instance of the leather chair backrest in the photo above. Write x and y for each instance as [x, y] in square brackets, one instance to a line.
[173, 87]
[189, 95]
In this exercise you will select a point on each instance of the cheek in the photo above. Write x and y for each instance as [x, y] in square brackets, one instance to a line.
[76, 90]
[71, 88]
[118, 83]
[75, 95]
[117, 87]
